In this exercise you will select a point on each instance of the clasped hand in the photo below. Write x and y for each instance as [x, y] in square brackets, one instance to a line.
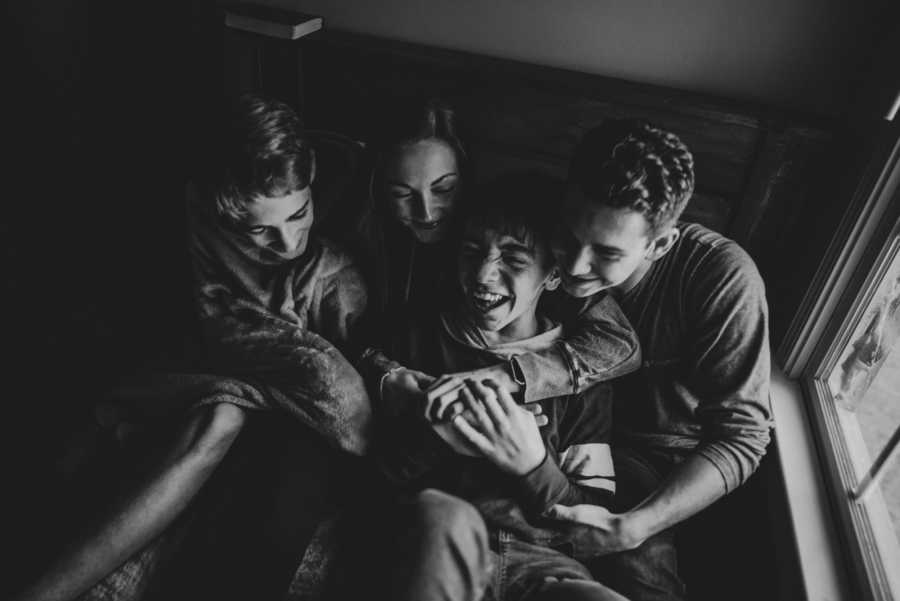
[490, 424]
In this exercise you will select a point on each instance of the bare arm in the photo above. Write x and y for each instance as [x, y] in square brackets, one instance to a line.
[689, 488]
[146, 511]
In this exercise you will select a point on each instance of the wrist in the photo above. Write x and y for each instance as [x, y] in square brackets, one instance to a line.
[633, 528]
[529, 463]
[385, 377]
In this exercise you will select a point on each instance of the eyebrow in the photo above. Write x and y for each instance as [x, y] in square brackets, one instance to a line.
[301, 209]
[610, 250]
[443, 177]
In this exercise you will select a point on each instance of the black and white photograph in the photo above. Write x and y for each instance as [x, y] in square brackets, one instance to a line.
[435, 300]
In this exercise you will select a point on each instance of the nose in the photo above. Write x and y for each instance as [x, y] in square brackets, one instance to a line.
[423, 210]
[577, 261]
[488, 271]
[285, 241]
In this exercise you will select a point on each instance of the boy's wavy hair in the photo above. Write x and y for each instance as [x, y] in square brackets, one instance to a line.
[626, 163]
[261, 150]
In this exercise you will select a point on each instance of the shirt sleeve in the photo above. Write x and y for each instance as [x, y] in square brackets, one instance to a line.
[599, 345]
[584, 472]
[341, 313]
[731, 364]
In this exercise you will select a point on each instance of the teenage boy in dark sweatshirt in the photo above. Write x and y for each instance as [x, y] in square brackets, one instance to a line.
[480, 483]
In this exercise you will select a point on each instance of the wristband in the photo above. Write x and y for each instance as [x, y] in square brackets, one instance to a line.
[384, 377]
[516, 373]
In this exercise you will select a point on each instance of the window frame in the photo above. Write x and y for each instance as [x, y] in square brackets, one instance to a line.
[838, 298]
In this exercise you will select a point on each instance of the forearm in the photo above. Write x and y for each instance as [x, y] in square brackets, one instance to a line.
[690, 487]
[596, 351]
[547, 485]
[142, 516]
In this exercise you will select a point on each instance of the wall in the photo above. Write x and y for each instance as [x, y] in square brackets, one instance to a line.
[794, 53]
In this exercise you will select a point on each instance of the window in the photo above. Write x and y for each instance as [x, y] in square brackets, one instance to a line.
[845, 351]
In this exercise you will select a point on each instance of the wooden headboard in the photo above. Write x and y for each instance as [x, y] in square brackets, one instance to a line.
[753, 163]
[758, 168]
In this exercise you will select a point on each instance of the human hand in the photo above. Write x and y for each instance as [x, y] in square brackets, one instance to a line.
[503, 432]
[449, 434]
[403, 388]
[443, 396]
[605, 531]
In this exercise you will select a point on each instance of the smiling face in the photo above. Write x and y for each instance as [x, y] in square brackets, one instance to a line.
[502, 278]
[280, 224]
[422, 184]
[599, 247]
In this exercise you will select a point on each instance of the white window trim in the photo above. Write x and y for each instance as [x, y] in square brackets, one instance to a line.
[832, 566]
[822, 565]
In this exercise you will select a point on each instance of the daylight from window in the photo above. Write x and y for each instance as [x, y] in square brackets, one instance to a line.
[866, 386]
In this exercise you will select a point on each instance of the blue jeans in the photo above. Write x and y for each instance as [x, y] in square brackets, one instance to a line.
[649, 572]
[429, 546]
[525, 571]
[441, 553]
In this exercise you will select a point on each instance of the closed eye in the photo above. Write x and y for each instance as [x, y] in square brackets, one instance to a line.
[517, 260]
[299, 214]
[255, 231]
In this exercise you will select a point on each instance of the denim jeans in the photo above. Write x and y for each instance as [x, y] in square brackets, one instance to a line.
[524, 571]
[440, 552]
[649, 572]
[430, 546]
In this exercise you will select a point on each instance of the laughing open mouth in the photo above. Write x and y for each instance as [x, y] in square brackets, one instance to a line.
[487, 301]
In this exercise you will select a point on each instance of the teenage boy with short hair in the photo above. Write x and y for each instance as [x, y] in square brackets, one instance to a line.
[277, 287]
[516, 471]
[694, 422]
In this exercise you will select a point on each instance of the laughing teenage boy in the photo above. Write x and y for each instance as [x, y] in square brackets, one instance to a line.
[693, 423]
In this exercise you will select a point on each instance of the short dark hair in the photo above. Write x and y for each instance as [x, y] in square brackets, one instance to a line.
[521, 203]
[261, 150]
[632, 164]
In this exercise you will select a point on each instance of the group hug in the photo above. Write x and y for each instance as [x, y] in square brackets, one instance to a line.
[538, 379]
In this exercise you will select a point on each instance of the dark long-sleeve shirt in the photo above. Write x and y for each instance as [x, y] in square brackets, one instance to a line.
[701, 315]
[577, 467]
[598, 343]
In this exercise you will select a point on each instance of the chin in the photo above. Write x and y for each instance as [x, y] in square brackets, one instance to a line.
[582, 290]
[429, 236]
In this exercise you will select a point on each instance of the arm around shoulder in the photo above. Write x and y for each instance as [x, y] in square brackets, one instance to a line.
[599, 345]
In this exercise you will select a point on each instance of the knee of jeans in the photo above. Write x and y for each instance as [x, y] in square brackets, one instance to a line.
[438, 511]
[649, 571]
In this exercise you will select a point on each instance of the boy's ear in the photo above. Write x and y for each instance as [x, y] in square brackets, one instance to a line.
[553, 281]
[312, 165]
[663, 243]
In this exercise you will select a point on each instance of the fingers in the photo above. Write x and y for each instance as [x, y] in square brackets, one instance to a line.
[489, 401]
[562, 512]
[503, 396]
[422, 379]
[444, 384]
[485, 424]
[472, 436]
[536, 410]
[440, 396]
